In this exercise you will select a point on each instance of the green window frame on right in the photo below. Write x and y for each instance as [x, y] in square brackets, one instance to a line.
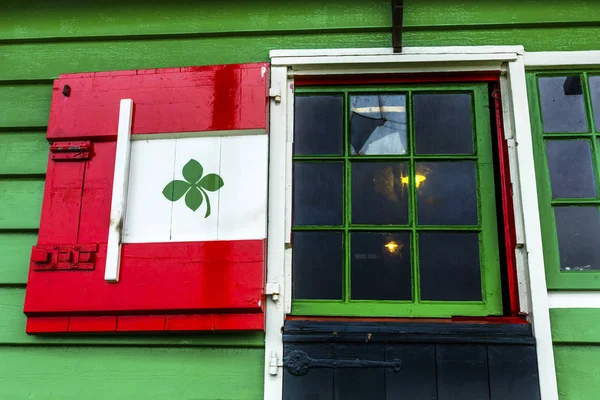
[565, 120]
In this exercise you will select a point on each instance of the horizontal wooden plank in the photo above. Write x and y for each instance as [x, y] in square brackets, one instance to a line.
[575, 325]
[20, 203]
[25, 105]
[12, 321]
[577, 371]
[23, 153]
[15, 249]
[48, 60]
[98, 373]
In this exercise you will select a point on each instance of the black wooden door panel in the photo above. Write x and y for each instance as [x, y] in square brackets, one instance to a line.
[417, 379]
[513, 375]
[359, 383]
[317, 384]
[462, 372]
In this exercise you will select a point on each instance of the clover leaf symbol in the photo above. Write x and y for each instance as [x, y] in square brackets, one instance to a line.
[194, 187]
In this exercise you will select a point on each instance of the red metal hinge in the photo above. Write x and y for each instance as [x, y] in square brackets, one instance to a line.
[63, 257]
[80, 150]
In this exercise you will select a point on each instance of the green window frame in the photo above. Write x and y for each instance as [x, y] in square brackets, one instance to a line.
[557, 278]
[487, 227]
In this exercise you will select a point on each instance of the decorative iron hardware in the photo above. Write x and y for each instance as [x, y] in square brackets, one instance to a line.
[71, 150]
[397, 22]
[63, 257]
[298, 363]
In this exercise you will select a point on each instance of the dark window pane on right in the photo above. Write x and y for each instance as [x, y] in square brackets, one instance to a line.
[562, 104]
[317, 265]
[380, 266]
[318, 125]
[578, 230]
[595, 92]
[318, 193]
[449, 266]
[443, 123]
[571, 169]
[446, 193]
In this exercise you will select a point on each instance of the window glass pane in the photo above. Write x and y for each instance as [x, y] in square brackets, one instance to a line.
[578, 230]
[318, 193]
[562, 104]
[443, 123]
[318, 125]
[571, 171]
[595, 91]
[378, 124]
[380, 266]
[446, 193]
[317, 265]
[379, 193]
[449, 266]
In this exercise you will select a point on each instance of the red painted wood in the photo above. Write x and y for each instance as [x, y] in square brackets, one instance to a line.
[213, 98]
[191, 276]
[47, 325]
[508, 215]
[368, 79]
[239, 322]
[197, 322]
[140, 323]
[93, 324]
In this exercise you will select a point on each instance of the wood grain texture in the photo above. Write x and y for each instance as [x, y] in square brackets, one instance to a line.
[15, 249]
[20, 203]
[575, 325]
[23, 153]
[24, 105]
[70, 373]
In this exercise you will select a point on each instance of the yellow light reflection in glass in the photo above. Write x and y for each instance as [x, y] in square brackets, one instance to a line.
[418, 179]
[391, 246]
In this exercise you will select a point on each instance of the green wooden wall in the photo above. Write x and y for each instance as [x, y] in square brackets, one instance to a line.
[40, 39]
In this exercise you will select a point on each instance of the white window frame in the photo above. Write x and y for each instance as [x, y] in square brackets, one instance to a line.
[285, 64]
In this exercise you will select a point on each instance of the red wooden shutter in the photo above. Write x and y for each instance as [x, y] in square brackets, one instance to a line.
[173, 286]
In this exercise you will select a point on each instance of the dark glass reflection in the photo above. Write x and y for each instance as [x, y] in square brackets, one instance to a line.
[449, 266]
[378, 124]
[379, 195]
[578, 230]
[380, 266]
[446, 193]
[317, 265]
[318, 193]
[562, 104]
[318, 122]
[443, 123]
[571, 170]
[595, 92]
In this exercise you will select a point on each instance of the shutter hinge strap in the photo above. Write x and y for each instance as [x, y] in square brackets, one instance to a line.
[66, 151]
[63, 257]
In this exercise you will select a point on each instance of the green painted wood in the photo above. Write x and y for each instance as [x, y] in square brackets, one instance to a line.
[577, 372]
[12, 321]
[75, 373]
[23, 106]
[15, 249]
[23, 153]
[20, 203]
[575, 325]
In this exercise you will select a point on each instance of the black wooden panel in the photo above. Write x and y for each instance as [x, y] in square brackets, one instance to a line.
[462, 372]
[317, 384]
[359, 383]
[417, 380]
[513, 372]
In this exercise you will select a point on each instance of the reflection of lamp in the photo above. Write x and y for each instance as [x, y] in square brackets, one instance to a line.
[391, 246]
[418, 179]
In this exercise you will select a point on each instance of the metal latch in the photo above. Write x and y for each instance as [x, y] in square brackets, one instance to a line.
[63, 257]
[273, 290]
[66, 151]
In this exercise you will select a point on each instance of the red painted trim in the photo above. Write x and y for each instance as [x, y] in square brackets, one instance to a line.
[239, 322]
[47, 325]
[93, 324]
[191, 99]
[377, 79]
[470, 320]
[140, 323]
[203, 322]
[508, 214]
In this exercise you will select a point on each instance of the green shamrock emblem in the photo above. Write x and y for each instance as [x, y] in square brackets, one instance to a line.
[194, 187]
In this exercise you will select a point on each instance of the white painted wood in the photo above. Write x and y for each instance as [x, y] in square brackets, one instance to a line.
[562, 59]
[287, 267]
[431, 67]
[574, 299]
[273, 374]
[439, 51]
[533, 235]
[188, 225]
[242, 210]
[195, 134]
[119, 192]
[152, 167]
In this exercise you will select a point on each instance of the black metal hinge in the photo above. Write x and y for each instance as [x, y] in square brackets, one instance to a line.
[397, 22]
[298, 363]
